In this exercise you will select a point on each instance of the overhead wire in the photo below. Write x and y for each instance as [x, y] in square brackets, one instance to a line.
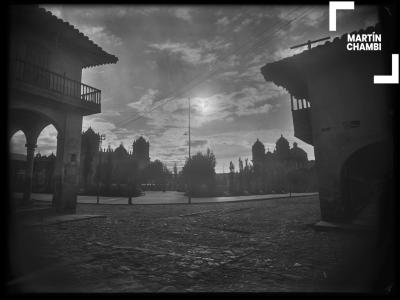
[193, 84]
[199, 79]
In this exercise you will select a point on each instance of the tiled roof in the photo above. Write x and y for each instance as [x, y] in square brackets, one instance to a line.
[98, 57]
[288, 72]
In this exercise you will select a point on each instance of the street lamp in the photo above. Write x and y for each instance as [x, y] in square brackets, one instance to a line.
[102, 137]
[190, 181]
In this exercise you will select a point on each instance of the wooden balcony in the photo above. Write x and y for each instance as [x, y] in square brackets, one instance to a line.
[56, 86]
[301, 111]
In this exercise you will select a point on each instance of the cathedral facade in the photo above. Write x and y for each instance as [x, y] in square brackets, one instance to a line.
[283, 170]
[111, 165]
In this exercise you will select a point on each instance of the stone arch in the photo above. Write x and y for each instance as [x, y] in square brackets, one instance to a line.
[364, 175]
[50, 127]
[45, 161]
[12, 134]
[12, 131]
[31, 121]
[31, 117]
[17, 162]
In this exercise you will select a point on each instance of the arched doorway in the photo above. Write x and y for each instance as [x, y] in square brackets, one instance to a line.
[45, 162]
[17, 164]
[27, 130]
[364, 177]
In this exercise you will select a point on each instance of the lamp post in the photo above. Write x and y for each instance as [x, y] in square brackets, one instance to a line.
[101, 139]
[190, 181]
[130, 185]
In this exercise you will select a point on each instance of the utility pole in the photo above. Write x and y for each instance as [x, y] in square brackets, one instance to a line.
[308, 43]
[101, 139]
[130, 186]
[189, 127]
[190, 181]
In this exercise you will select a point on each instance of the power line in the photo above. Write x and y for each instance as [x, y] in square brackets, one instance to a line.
[186, 88]
[172, 95]
[255, 46]
[204, 76]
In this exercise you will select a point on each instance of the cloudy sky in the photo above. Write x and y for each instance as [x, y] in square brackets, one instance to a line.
[212, 54]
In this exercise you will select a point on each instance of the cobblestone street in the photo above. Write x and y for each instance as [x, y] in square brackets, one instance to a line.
[257, 246]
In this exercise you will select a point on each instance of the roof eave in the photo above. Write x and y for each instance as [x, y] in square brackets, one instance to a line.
[110, 60]
[289, 72]
[97, 56]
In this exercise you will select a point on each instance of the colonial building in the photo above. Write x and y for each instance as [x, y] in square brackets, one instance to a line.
[338, 109]
[43, 171]
[140, 152]
[274, 169]
[46, 58]
[89, 156]
[294, 156]
[113, 162]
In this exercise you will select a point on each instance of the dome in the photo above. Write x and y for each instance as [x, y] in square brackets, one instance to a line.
[298, 153]
[282, 148]
[258, 151]
[121, 151]
[140, 141]
[90, 131]
[258, 145]
[282, 142]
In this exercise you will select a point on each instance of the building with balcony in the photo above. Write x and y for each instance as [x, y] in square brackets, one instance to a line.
[338, 109]
[46, 58]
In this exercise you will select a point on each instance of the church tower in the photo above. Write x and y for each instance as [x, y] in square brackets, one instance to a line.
[282, 149]
[140, 152]
[258, 152]
[89, 156]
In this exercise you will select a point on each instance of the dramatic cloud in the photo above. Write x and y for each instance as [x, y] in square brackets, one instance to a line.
[183, 13]
[189, 54]
[212, 54]
[144, 102]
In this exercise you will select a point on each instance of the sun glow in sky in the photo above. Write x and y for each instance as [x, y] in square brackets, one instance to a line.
[162, 49]
[203, 105]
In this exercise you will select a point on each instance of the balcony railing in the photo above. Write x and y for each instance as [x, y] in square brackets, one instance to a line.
[43, 78]
[301, 109]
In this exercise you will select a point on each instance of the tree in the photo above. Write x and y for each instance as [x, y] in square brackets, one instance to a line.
[247, 171]
[175, 171]
[231, 177]
[157, 173]
[240, 175]
[175, 181]
[87, 164]
[199, 170]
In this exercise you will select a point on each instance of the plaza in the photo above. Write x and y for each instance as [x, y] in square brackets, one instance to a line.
[247, 246]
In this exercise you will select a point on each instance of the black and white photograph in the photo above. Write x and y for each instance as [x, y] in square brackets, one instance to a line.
[201, 148]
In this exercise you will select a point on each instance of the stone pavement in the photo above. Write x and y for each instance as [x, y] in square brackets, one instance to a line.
[57, 219]
[256, 246]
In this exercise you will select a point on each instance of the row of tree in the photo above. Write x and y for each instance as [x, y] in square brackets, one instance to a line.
[198, 178]
[198, 174]
[128, 178]
[275, 178]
